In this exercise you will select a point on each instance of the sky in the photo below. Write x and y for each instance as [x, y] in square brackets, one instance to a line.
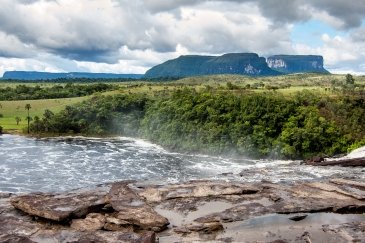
[131, 36]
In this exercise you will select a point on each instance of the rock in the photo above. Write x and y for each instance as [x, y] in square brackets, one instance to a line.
[92, 222]
[298, 217]
[149, 237]
[121, 196]
[353, 184]
[5, 195]
[62, 207]
[143, 217]
[352, 162]
[316, 159]
[341, 189]
[127, 212]
[133, 209]
[206, 228]
[197, 189]
[87, 237]
[15, 239]
[115, 224]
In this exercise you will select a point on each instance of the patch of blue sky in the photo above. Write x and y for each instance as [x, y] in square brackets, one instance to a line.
[310, 33]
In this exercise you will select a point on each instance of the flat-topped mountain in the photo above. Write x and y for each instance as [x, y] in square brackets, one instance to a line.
[250, 64]
[297, 64]
[193, 65]
[29, 75]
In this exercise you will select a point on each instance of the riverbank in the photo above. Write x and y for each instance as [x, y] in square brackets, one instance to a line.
[206, 211]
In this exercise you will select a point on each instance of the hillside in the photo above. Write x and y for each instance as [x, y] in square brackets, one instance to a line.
[249, 64]
[234, 63]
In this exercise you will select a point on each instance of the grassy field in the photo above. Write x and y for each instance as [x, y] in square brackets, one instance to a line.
[287, 85]
[12, 109]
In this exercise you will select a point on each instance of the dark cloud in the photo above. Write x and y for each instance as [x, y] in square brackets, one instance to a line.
[350, 12]
[284, 11]
[358, 35]
[160, 6]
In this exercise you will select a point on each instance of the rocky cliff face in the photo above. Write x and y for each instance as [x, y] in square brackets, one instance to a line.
[234, 63]
[296, 64]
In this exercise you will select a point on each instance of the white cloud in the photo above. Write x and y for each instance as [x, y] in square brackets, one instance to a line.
[131, 36]
[13, 64]
[341, 54]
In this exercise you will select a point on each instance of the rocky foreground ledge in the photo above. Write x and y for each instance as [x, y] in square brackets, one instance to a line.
[344, 162]
[201, 211]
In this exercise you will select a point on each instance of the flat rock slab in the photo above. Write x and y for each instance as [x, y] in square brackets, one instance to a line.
[196, 189]
[62, 207]
[353, 162]
[207, 211]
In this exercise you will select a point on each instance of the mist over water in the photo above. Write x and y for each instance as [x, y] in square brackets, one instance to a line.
[62, 163]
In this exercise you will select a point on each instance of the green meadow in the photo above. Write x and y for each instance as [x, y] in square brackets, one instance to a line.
[12, 109]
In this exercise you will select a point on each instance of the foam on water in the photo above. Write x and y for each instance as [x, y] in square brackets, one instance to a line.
[357, 153]
[62, 163]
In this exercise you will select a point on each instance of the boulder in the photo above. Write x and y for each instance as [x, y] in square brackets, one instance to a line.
[143, 217]
[62, 207]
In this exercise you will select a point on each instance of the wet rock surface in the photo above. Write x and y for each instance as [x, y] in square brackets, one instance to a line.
[205, 211]
[348, 162]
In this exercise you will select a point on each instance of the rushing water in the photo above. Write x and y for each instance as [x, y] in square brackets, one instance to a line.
[56, 164]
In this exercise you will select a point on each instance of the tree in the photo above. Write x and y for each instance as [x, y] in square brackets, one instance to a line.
[350, 79]
[1, 115]
[47, 116]
[28, 107]
[18, 119]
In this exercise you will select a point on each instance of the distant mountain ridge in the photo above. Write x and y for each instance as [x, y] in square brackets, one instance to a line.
[250, 64]
[193, 65]
[30, 75]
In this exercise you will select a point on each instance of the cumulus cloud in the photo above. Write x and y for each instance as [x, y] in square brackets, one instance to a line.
[342, 54]
[134, 35]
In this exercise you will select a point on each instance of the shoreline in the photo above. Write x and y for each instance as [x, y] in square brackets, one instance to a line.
[206, 211]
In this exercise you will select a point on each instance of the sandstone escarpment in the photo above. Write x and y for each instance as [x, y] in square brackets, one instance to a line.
[287, 64]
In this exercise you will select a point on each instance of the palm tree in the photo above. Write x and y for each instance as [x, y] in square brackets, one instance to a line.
[28, 107]
[18, 119]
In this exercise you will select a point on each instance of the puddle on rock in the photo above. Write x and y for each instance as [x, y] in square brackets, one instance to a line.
[276, 226]
[179, 219]
[313, 228]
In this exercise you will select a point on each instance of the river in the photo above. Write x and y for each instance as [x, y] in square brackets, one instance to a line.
[63, 163]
